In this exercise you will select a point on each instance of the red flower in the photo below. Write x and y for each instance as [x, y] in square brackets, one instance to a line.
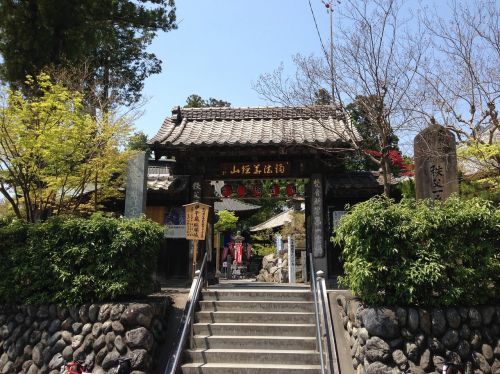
[290, 190]
[275, 190]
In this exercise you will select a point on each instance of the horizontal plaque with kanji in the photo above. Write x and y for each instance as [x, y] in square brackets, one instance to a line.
[256, 169]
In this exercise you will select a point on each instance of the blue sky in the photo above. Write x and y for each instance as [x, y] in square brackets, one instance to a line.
[222, 46]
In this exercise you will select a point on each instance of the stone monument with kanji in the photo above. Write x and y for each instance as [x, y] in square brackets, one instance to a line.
[435, 163]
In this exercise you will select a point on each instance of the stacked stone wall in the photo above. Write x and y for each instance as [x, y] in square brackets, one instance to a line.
[420, 340]
[40, 340]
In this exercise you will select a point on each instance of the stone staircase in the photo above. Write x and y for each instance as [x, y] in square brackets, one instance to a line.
[257, 330]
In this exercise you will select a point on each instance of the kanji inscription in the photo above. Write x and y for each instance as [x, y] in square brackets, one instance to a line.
[256, 169]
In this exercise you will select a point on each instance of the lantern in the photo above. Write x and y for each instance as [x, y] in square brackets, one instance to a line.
[275, 190]
[290, 190]
[257, 190]
[241, 190]
[226, 190]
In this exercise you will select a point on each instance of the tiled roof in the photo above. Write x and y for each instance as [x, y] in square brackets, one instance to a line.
[233, 205]
[240, 126]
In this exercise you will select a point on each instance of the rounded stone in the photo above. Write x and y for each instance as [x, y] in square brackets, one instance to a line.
[426, 360]
[117, 327]
[77, 327]
[56, 362]
[411, 351]
[481, 362]
[438, 362]
[142, 338]
[380, 322]
[487, 352]
[475, 339]
[140, 359]
[67, 324]
[93, 312]
[438, 321]
[86, 329]
[401, 313]
[58, 346]
[99, 343]
[453, 318]
[67, 353]
[97, 329]
[435, 345]
[474, 317]
[107, 327]
[450, 339]
[463, 348]
[53, 311]
[104, 311]
[425, 321]
[137, 315]
[487, 313]
[110, 360]
[116, 311]
[120, 345]
[54, 326]
[399, 358]
[83, 313]
[465, 331]
[376, 349]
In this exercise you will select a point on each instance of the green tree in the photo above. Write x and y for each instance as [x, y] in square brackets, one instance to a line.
[138, 142]
[322, 97]
[196, 101]
[373, 137]
[54, 156]
[109, 38]
[226, 221]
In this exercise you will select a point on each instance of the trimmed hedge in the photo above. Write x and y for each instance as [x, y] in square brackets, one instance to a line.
[75, 260]
[422, 252]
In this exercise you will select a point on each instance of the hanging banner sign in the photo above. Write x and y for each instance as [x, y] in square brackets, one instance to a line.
[238, 253]
[196, 221]
[256, 169]
[291, 259]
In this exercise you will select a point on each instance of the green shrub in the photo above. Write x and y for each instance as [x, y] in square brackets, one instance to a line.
[74, 260]
[422, 252]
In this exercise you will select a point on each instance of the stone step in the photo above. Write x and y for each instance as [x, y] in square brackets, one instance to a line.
[254, 342]
[252, 356]
[233, 368]
[263, 329]
[257, 305]
[251, 294]
[250, 317]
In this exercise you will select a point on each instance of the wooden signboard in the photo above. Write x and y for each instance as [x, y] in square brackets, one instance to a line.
[196, 221]
[196, 226]
[256, 169]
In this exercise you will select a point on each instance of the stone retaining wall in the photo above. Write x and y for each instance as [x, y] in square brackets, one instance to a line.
[39, 340]
[393, 340]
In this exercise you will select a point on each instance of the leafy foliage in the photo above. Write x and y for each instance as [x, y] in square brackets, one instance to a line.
[422, 252]
[138, 142]
[226, 221]
[76, 260]
[109, 36]
[54, 156]
[196, 101]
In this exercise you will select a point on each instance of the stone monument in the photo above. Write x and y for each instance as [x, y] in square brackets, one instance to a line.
[135, 196]
[435, 163]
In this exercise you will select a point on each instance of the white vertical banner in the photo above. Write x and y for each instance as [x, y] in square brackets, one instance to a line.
[291, 259]
[279, 244]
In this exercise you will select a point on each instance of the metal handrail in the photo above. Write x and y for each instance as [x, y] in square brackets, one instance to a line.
[323, 321]
[319, 343]
[186, 324]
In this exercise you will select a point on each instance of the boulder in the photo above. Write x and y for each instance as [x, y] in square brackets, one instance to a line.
[438, 321]
[377, 349]
[137, 315]
[453, 318]
[425, 321]
[481, 362]
[139, 338]
[450, 339]
[380, 322]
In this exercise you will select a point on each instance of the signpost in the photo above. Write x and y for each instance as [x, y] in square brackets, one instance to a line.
[291, 259]
[196, 226]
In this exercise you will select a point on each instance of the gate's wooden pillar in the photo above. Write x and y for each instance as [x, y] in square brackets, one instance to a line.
[317, 223]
